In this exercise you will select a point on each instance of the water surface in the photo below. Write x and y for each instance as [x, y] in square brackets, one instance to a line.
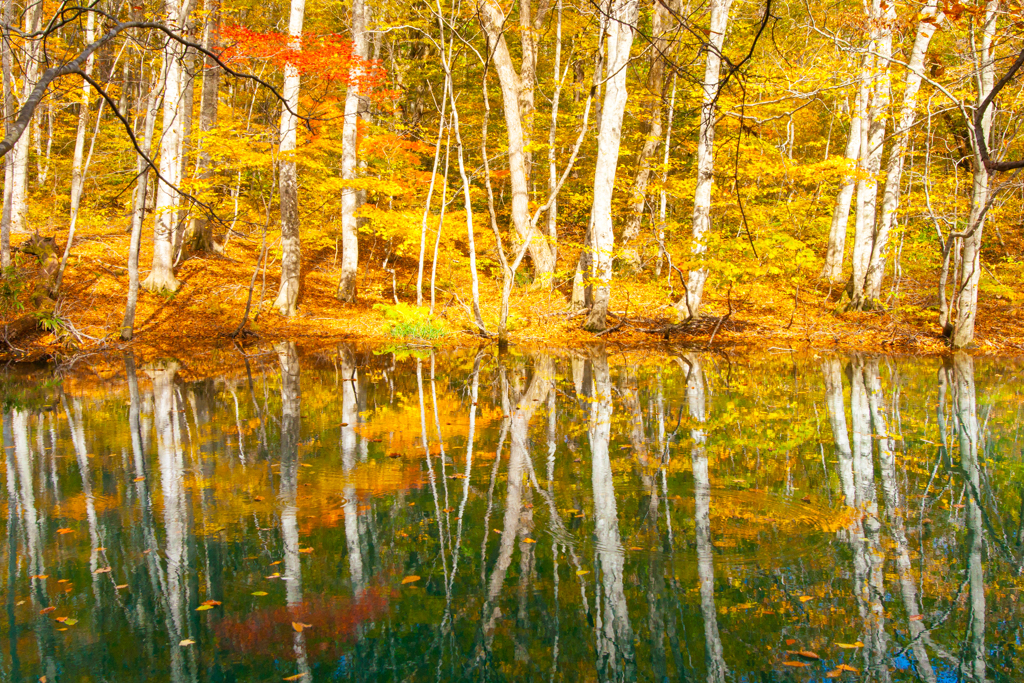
[403, 516]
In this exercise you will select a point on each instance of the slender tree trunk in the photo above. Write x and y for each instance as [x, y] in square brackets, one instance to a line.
[882, 17]
[470, 237]
[139, 206]
[492, 21]
[552, 227]
[644, 169]
[291, 246]
[349, 158]
[161, 276]
[663, 198]
[833, 270]
[202, 236]
[970, 252]
[20, 153]
[7, 67]
[689, 305]
[620, 40]
[930, 20]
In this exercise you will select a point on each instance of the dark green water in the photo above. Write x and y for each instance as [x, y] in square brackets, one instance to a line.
[351, 515]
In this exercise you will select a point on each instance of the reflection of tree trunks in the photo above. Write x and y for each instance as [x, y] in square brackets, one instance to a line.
[695, 399]
[615, 649]
[349, 458]
[291, 424]
[77, 430]
[865, 536]
[904, 570]
[836, 405]
[519, 426]
[966, 420]
[12, 549]
[172, 486]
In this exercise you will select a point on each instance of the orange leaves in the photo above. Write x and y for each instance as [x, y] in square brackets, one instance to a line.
[65, 531]
[410, 579]
[299, 627]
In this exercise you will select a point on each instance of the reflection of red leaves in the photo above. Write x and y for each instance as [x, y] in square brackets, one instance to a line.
[267, 632]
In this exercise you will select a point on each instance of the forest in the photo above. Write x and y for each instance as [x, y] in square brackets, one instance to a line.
[842, 173]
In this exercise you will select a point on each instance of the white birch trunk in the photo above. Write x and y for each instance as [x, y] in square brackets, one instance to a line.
[6, 67]
[492, 21]
[349, 158]
[620, 40]
[833, 270]
[20, 152]
[930, 20]
[689, 305]
[970, 254]
[876, 74]
[291, 246]
[161, 276]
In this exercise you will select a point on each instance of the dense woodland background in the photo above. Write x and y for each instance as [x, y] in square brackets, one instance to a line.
[648, 157]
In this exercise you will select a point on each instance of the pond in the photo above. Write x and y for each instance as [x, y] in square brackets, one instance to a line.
[407, 515]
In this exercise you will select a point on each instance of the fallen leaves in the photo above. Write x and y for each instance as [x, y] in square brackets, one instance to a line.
[259, 594]
[187, 642]
[850, 646]
[47, 610]
[410, 579]
[70, 621]
[300, 627]
[65, 530]
[102, 570]
[294, 678]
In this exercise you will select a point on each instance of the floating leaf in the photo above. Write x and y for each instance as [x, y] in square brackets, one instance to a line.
[305, 550]
[203, 608]
[847, 667]
[797, 664]
[496, 531]
[790, 641]
[102, 570]
[805, 598]
[807, 654]
[65, 530]
[850, 646]
[187, 642]
[258, 498]
[529, 540]
[410, 579]
[70, 622]
[44, 576]
[916, 617]
[211, 603]
[139, 479]
[299, 626]
[295, 677]
[47, 610]
[582, 572]
[635, 547]
[259, 593]
[101, 549]
[835, 673]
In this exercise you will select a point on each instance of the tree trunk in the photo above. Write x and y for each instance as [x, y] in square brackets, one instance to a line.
[20, 153]
[644, 170]
[930, 20]
[349, 157]
[689, 305]
[161, 276]
[492, 21]
[620, 40]
[833, 270]
[202, 236]
[876, 72]
[291, 247]
[6, 66]
[970, 254]
[552, 227]
[139, 208]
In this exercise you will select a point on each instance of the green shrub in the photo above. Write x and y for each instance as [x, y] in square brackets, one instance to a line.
[412, 322]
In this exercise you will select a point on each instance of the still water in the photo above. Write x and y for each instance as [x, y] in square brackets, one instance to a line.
[408, 516]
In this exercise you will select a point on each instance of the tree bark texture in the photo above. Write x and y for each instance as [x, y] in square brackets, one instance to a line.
[349, 157]
[291, 244]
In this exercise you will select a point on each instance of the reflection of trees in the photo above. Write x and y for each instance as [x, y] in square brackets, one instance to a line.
[965, 417]
[614, 633]
[540, 385]
[349, 459]
[170, 456]
[695, 400]
[291, 419]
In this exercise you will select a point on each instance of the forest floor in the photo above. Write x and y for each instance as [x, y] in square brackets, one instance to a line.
[198, 321]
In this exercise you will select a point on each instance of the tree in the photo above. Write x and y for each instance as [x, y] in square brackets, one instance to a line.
[291, 253]
[620, 27]
[349, 155]
[689, 305]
